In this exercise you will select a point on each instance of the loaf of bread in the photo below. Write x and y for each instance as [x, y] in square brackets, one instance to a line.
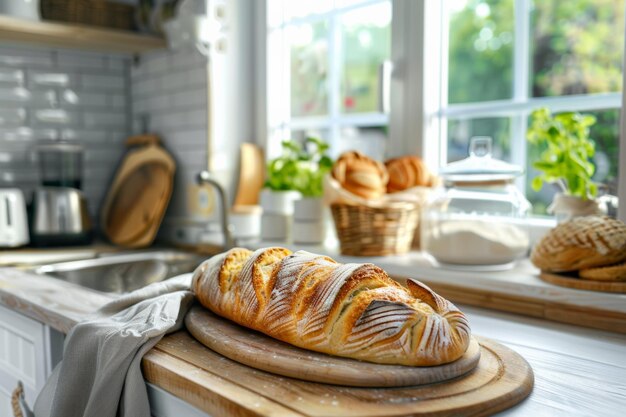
[605, 273]
[581, 243]
[361, 175]
[406, 172]
[350, 310]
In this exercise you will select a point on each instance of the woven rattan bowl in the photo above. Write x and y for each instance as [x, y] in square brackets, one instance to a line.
[375, 231]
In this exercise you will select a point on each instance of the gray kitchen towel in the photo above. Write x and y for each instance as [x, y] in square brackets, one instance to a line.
[100, 375]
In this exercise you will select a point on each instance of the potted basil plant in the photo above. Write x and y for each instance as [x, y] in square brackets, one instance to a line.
[565, 161]
[297, 173]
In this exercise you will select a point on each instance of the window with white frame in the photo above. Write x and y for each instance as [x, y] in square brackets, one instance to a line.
[509, 57]
[323, 61]
[468, 67]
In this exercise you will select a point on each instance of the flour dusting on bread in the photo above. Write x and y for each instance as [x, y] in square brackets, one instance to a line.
[350, 310]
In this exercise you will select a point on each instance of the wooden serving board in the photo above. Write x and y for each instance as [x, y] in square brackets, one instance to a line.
[584, 284]
[221, 387]
[262, 352]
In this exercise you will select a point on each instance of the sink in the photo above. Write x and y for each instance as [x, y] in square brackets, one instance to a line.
[123, 273]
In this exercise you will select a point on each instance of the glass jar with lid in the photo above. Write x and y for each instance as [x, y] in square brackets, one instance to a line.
[478, 217]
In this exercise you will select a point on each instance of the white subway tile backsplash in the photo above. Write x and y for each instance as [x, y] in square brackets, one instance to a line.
[12, 94]
[196, 76]
[103, 82]
[25, 134]
[11, 76]
[55, 117]
[109, 119]
[85, 135]
[119, 137]
[24, 57]
[118, 63]
[196, 118]
[12, 117]
[171, 82]
[80, 60]
[171, 88]
[37, 78]
[82, 99]
[158, 65]
[118, 101]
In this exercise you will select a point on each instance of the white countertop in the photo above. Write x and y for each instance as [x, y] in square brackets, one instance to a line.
[578, 371]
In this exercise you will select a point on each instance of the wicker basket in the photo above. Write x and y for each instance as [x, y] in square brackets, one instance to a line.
[89, 12]
[375, 231]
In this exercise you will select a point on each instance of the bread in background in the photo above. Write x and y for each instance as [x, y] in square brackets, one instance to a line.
[581, 243]
[361, 175]
[605, 273]
[407, 172]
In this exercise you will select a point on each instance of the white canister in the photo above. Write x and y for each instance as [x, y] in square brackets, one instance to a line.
[275, 226]
[246, 222]
[308, 209]
[308, 232]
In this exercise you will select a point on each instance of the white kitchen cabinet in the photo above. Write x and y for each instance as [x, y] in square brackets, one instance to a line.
[28, 352]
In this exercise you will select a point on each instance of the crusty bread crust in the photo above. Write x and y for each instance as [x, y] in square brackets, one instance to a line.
[406, 172]
[605, 273]
[361, 175]
[350, 310]
[581, 243]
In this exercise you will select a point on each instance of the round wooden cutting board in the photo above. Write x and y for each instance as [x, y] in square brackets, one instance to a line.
[583, 284]
[259, 351]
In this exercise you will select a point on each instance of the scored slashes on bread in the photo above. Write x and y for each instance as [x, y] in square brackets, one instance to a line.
[581, 243]
[361, 175]
[350, 310]
[407, 172]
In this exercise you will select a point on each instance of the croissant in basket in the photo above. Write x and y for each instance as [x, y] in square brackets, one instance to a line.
[361, 175]
[350, 310]
[407, 172]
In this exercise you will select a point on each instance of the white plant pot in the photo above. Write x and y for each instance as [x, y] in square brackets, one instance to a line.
[309, 209]
[278, 202]
[565, 207]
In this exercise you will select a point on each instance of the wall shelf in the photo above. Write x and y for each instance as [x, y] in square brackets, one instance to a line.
[67, 35]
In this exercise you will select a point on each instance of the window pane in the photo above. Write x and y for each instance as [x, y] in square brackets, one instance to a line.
[309, 68]
[461, 131]
[605, 134]
[366, 44]
[481, 50]
[372, 141]
[577, 47]
[300, 8]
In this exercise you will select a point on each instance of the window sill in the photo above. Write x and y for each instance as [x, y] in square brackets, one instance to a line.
[518, 290]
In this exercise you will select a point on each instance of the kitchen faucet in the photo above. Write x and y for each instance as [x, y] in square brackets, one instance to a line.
[205, 177]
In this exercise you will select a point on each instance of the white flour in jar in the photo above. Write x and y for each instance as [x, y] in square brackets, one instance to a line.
[474, 242]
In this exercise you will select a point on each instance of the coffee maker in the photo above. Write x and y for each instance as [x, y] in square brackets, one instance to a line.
[59, 214]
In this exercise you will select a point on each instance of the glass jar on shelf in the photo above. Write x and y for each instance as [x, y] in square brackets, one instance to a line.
[479, 217]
